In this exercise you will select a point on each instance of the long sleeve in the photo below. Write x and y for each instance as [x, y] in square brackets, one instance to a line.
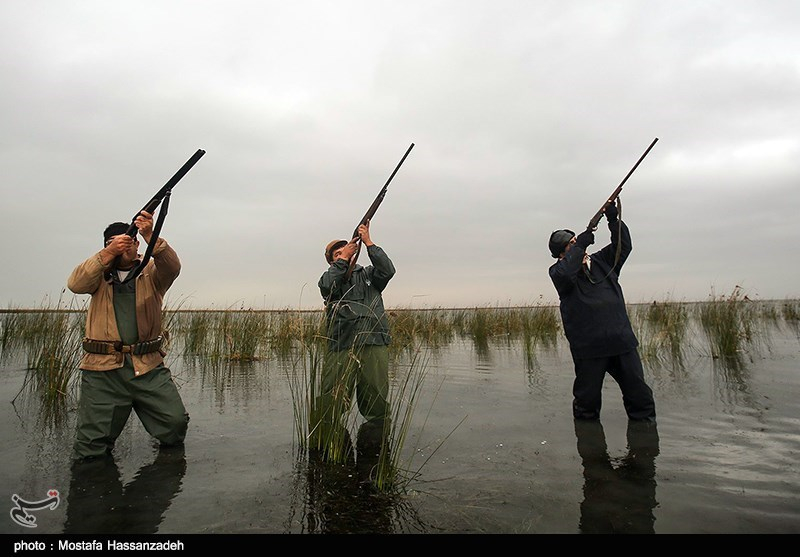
[86, 277]
[331, 281]
[382, 267]
[619, 233]
[167, 264]
[564, 272]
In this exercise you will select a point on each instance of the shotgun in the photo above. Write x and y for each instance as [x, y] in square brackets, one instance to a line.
[161, 195]
[153, 204]
[371, 211]
[613, 197]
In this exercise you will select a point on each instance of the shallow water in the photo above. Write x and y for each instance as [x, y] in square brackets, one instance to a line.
[493, 442]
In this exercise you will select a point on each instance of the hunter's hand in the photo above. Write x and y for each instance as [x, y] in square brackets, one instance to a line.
[612, 213]
[122, 246]
[363, 233]
[585, 239]
[348, 251]
[144, 222]
[118, 245]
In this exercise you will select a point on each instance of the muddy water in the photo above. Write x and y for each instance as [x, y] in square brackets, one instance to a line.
[493, 445]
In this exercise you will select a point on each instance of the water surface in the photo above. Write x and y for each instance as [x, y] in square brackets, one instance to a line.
[493, 443]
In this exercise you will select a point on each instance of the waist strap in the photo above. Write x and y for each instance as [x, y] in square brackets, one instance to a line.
[114, 347]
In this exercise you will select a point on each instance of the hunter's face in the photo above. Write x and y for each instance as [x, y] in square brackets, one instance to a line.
[569, 245]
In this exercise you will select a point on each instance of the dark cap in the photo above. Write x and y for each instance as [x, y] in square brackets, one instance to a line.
[332, 247]
[114, 229]
[559, 240]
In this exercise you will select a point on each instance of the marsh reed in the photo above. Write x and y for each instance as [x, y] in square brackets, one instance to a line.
[724, 327]
[51, 338]
[661, 328]
[734, 325]
[326, 421]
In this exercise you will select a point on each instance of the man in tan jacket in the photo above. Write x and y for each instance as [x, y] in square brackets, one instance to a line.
[123, 367]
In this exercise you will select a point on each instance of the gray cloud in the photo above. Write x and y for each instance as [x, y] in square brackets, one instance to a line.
[524, 116]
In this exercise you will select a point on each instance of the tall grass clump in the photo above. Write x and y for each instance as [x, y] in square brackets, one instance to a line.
[731, 324]
[231, 335]
[540, 329]
[51, 338]
[9, 333]
[537, 327]
[480, 328]
[411, 327]
[325, 422]
[304, 375]
[288, 331]
[790, 310]
[195, 329]
[389, 474]
[662, 328]
[243, 333]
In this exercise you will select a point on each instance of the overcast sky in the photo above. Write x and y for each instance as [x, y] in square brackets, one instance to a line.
[525, 115]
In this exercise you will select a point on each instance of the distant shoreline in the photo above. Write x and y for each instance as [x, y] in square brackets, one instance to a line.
[388, 309]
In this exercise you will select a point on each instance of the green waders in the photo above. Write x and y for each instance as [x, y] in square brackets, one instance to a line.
[107, 397]
[367, 371]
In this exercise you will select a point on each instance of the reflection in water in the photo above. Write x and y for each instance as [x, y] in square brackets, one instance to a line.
[342, 497]
[732, 379]
[98, 503]
[619, 494]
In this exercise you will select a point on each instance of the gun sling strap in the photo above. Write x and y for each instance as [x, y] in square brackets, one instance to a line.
[162, 214]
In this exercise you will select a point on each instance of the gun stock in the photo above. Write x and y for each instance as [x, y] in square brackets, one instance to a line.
[595, 220]
[371, 212]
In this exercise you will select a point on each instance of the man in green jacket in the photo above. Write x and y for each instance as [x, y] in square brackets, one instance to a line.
[358, 334]
[123, 368]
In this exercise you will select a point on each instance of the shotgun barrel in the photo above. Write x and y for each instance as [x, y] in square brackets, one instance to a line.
[613, 197]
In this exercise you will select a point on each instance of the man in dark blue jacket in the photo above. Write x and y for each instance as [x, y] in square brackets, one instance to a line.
[596, 321]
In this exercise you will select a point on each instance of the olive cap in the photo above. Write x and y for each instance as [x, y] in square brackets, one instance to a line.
[332, 246]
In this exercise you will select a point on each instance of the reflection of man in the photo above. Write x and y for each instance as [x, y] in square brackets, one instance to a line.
[99, 504]
[619, 495]
[341, 495]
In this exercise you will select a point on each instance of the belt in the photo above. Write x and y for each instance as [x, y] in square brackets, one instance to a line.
[116, 346]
